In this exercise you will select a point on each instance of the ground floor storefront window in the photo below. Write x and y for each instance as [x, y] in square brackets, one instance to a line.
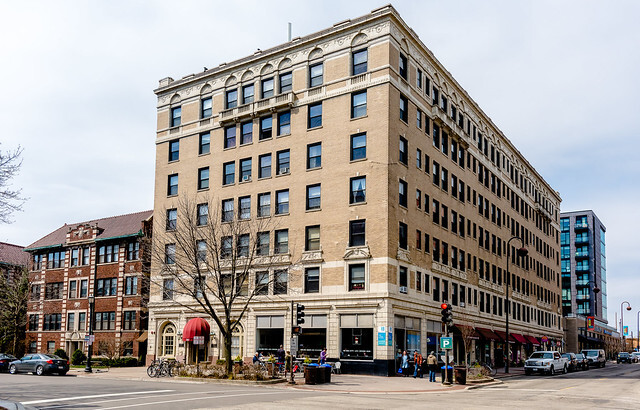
[314, 336]
[269, 334]
[356, 337]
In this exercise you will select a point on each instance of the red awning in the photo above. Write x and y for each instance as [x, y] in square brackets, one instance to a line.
[520, 338]
[502, 336]
[195, 327]
[533, 340]
[487, 334]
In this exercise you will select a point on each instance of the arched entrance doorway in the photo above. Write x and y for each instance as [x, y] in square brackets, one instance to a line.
[167, 341]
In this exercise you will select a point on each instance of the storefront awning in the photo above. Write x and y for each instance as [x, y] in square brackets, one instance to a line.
[195, 327]
[534, 341]
[520, 338]
[502, 336]
[143, 337]
[487, 334]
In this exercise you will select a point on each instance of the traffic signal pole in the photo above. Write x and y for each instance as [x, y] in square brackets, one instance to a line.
[446, 380]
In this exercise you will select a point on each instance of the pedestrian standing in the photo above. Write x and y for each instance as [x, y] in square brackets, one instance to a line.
[405, 364]
[432, 362]
[323, 356]
[417, 360]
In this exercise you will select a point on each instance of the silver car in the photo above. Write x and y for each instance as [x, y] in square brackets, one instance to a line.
[40, 363]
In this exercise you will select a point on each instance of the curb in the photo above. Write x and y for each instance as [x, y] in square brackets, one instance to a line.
[481, 385]
[195, 380]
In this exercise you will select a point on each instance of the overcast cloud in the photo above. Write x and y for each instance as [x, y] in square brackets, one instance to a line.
[560, 79]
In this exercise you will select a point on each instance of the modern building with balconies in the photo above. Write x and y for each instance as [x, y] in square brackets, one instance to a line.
[392, 189]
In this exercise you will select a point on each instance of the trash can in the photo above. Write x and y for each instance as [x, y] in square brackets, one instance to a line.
[311, 374]
[461, 374]
[326, 368]
[449, 374]
[320, 374]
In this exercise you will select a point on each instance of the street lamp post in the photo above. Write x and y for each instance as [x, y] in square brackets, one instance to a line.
[638, 335]
[88, 369]
[596, 290]
[522, 252]
[622, 322]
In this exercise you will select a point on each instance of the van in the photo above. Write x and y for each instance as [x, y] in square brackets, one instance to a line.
[595, 357]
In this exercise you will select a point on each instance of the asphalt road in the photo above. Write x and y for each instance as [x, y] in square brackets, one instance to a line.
[614, 387]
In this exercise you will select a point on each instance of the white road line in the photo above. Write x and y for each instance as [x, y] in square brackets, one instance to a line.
[95, 396]
[56, 406]
[223, 396]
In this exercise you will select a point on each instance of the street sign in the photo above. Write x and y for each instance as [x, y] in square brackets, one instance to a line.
[590, 322]
[446, 343]
[198, 340]
[625, 331]
[294, 346]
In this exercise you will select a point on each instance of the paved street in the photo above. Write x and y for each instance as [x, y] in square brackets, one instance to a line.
[616, 386]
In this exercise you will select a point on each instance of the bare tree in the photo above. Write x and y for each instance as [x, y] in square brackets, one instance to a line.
[467, 331]
[10, 200]
[217, 262]
[14, 295]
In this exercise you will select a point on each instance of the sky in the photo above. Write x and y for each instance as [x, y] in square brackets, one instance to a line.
[559, 78]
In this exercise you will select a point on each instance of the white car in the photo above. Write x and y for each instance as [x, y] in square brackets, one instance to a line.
[635, 357]
[548, 362]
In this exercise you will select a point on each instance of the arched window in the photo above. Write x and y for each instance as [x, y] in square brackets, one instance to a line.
[169, 341]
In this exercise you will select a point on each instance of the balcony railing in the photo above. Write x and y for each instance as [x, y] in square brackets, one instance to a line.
[582, 268]
[582, 297]
[579, 226]
[581, 239]
[256, 108]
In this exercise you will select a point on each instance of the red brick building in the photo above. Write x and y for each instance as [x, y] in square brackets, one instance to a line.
[108, 258]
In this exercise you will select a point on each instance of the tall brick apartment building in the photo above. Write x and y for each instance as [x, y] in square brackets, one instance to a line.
[108, 258]
[393, 192]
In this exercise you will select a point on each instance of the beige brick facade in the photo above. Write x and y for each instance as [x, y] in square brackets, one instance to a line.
[523, 199]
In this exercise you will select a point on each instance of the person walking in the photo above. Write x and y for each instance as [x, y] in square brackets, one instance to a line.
[432, 362]
[323, 356]
[281, 356]
[417, 361]
[405, 363]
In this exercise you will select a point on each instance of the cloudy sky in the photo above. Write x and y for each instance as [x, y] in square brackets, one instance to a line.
[560, 78]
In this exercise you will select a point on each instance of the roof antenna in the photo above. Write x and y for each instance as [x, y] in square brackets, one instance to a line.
[289, 31]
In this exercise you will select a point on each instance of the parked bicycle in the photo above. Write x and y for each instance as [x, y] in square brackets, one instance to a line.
[162, 368]
[488, 370]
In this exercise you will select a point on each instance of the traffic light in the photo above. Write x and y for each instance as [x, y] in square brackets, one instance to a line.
[299, 314]
[447, 315]
[296, 330]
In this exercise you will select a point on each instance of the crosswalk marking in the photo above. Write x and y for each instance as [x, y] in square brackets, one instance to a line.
[94, 396]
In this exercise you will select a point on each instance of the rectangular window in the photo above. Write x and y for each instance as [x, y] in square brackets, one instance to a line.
[75, 256]
[33, 322]
[176, 116]
[283, 166]
[174, 150]
[357, 232]
[245, 169]
[358, 190]
[227, 210]
[167, 289]
[264, 204]
[226, 247]
[267, 87]
[356, 277]
[402, 193]
[403, 279]
[82, 317]
[359, 62]
[282, 241]
[247, 94]
[231, 98]
[170, 254]
[203, 214]
[129, 320]
[230, 137]
[358, 146]
[73, 289]
[281, 279]
[172, 185]
[312, 238]
[314, 155]
[244, 207]
[107, 287]
[133, 251]
[286, 82]
[403, 66]
[52, 322]
[266, 128]
[262, 245]
[229, 173]
[404, 109]
[419, 78]
[314, 115]
[35, 292]
[243, 245]
[403, 154]
[108, 254]
[172, 219]
[402, 235]
[312, 280]
[265, 166]
[246, 133]
[315, 75]
[313, 197]
[204, 145]
[84, 285]
[131, 285]
[282, 202]
[419, 119]
[359, 104]
[262, 283]
[206, 107]
[419, 199]
[203, 178]
[419, 159]
[284, 123]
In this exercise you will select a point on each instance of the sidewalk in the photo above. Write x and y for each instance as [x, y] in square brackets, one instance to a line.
[513, 371]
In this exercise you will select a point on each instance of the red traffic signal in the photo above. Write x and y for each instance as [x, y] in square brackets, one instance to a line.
[444, 306]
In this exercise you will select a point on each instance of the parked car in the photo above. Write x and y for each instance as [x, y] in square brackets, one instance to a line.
[571, 361]
[548, 362]
[635, 357]
[5, 359]
[582, 362]
[595, 357]
[40, 363]
[624, 357]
